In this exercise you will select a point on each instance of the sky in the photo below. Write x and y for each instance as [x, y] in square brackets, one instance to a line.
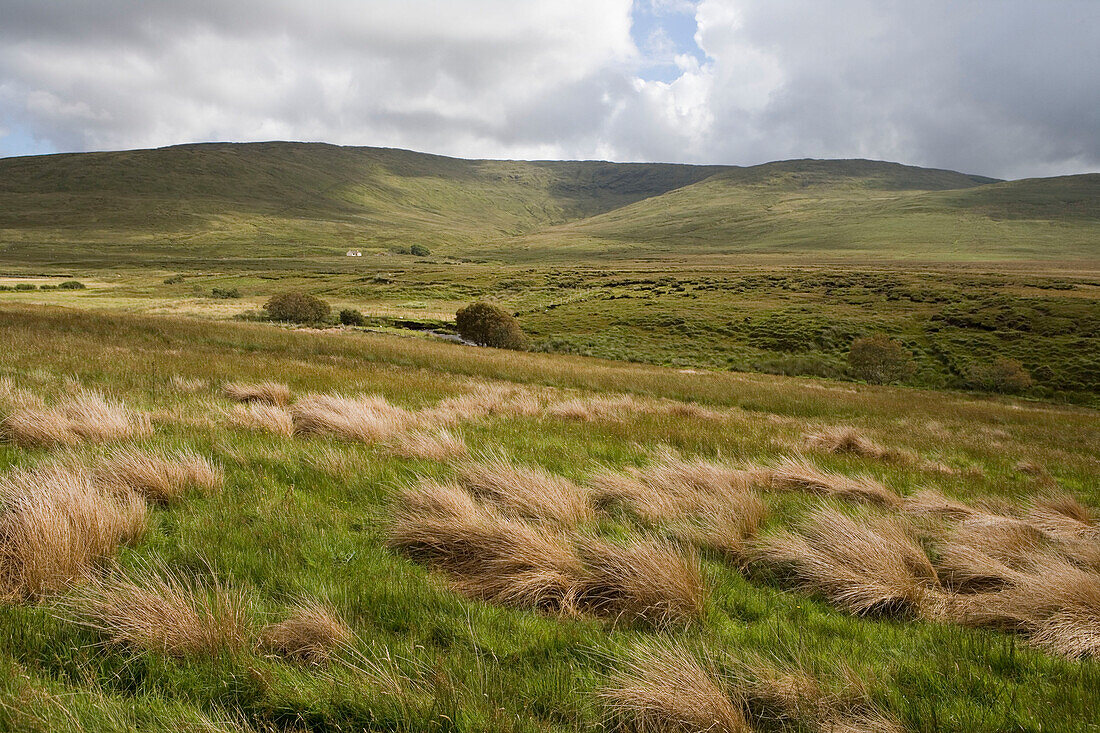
[1005, 88]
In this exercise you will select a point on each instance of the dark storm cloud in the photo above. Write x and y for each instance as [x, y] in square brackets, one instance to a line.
[1001, 87]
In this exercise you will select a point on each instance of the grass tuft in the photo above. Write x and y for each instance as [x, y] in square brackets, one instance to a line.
[160, 476]
[56, 523]
[270, 393]
[83, 416]
[869, 566]
[309, 635]
[157, 610]
[261, 416]
[799, 474]
[367, 418]
[530, 492]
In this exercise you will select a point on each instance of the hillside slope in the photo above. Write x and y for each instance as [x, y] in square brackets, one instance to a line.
[815, 207]
[310, 201]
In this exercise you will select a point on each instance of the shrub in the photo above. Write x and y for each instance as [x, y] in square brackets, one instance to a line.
[1001, 375]
[71, 285]
[173, 280]
[488, 325]
[296, 308]
[352, 317]
[419, 250]
[880, 360]
[225, 293]
[26, 286]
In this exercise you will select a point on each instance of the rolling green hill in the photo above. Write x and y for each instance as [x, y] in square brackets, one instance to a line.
[259, 201]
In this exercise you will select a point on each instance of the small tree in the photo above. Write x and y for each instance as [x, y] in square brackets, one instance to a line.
[296, 308]
[71, 285]
[488, 325]
[419, 250]
[880, 360]
[1001, 375]
[352, 317]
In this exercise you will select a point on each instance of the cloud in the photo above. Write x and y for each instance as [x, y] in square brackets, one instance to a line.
[1001, 87]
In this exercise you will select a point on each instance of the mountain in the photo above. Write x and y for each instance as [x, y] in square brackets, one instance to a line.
[255, 201]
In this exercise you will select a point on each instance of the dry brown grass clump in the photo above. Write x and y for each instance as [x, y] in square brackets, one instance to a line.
[158, 610]
[1056, 603]
[798, 474]
[439, 444]
[672, 487]
[271, 393]
[661, 687]
[529, 492]
[310, 634]
[367, 418]
[863, 566]
[488, 555]
[160, 476]
[187, 385]
[486, 400]
[1063, 515]
[84, 416]
[931, 503]
[499, 558]
[261, 416]
[703, 502]
[843, 439]
[641, 578]
[55, 524]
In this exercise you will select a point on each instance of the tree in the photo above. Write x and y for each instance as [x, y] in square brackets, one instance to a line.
[880, 360]
[488, 325]
[419, 250]
[296, 308]
[1001, 375]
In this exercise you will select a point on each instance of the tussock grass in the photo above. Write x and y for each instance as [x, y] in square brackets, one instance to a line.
[438, 444]
[84, 416]
[187, 385]
[845, 439]
[1056, 603]
[261, 416]
[56, 523]
[526, 491]
[799, 474]
[931, 503]
[662, 686]
[366, 418]
[705, 503]
[487, 555]
[493, 556]
[641, 578]
[1063, 515]
[487, 399]
[309, 635]
[271, 393]
[867, 566]
[161, 476]
[158, 610]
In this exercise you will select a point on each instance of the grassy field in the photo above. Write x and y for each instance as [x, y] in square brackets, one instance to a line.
[755, 317]
[311, 516]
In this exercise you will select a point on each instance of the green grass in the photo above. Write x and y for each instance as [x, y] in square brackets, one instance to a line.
[296, 202]
[282, 528]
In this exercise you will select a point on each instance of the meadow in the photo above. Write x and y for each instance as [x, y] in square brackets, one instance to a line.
[322, 530]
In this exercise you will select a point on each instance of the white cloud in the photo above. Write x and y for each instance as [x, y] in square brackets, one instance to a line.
[1001, 87]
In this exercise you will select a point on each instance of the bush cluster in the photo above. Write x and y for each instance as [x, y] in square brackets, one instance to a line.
[225, 293]
[296, 307]
[488, 325]
[880, 360]
[352, 317]
[1000, 375]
